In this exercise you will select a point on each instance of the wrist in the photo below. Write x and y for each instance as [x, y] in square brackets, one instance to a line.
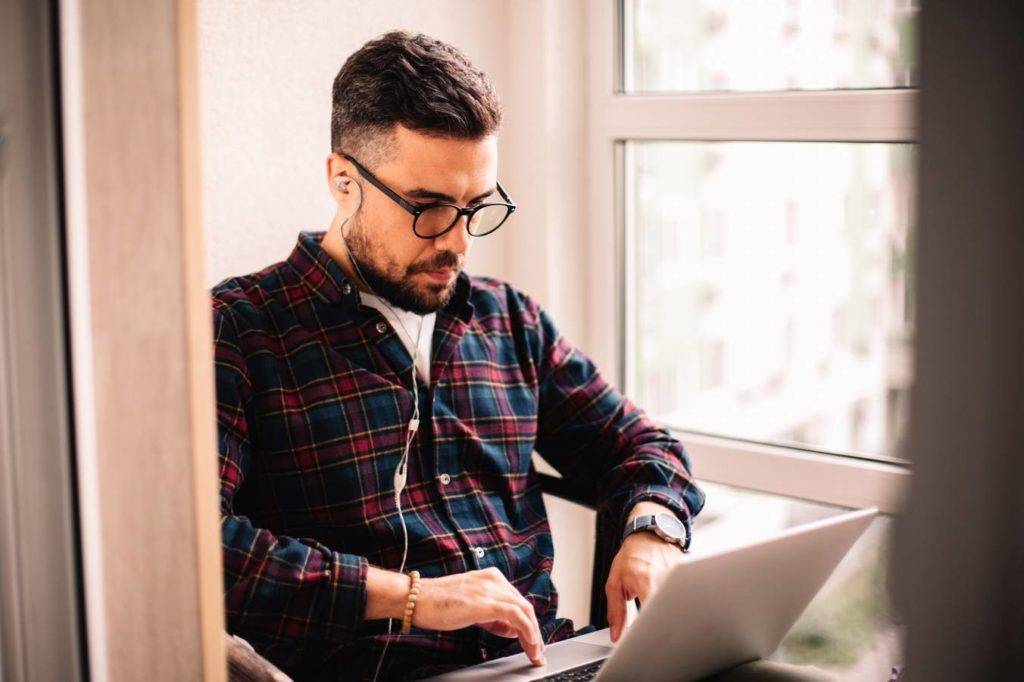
[657, 522]
[647, 508]
[386, 594]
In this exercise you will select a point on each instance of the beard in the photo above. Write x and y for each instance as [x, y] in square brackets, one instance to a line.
[395, 283]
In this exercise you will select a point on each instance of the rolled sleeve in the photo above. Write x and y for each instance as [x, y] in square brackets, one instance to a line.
[597, 437]
[348, 590]
[663, 495]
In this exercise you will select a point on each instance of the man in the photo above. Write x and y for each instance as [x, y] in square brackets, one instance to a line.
[378, 407]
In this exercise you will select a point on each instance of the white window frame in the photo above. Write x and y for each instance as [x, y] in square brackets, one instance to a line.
[615, 117]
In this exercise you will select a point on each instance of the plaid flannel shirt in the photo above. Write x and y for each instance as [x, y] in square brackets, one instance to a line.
[314, 394]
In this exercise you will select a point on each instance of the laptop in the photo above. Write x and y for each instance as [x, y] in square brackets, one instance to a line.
[712, 612]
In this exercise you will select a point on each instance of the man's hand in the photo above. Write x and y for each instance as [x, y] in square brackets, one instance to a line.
[641, 563]
[485, 598]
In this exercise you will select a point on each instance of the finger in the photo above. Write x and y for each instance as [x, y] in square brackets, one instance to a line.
[644, 588]
[500, 628]
[531, 619]
[528, 609]
[520, 602]
[616, 608]
[528, 639]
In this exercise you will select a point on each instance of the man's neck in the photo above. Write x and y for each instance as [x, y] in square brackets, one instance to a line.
[334, 245]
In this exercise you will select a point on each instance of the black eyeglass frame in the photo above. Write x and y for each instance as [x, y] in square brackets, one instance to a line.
[416, 211]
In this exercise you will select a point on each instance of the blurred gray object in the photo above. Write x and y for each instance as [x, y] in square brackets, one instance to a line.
[959, 547]
[245, 665]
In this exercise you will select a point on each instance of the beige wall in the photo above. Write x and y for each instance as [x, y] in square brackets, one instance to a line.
[267, 71]
[265, 96]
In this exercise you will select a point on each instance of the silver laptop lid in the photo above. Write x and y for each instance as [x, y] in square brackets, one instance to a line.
[733, 605]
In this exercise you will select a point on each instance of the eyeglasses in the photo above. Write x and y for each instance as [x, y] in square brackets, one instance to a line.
[433, 220]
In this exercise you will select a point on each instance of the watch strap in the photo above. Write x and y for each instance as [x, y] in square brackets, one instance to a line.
[648, 522]
[638, 524]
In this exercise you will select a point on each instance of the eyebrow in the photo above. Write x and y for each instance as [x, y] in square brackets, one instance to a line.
[421, 193]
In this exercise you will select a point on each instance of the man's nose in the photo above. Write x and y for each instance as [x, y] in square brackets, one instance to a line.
[456, 239]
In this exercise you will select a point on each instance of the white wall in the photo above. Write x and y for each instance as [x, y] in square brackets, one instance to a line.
[266, 74]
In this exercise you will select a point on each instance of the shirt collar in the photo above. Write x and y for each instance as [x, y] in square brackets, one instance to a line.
[323, 277]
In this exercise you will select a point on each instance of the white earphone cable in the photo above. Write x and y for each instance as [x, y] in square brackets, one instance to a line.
[401, 473]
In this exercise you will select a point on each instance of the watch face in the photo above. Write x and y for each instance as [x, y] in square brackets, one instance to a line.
[670, 526]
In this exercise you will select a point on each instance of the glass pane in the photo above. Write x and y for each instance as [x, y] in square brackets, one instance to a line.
[769, 291]
[715, 45]
[849, 628]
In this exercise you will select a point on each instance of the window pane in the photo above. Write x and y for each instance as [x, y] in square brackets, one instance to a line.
[849, 628]
[714, 45]
[768, 289]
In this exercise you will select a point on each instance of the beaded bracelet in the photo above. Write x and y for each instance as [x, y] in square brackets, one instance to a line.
[410, 605]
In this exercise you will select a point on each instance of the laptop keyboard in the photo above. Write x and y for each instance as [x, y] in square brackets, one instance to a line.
[580, 674]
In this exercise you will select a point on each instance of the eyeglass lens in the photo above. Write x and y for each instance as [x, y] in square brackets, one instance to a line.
[437, 219]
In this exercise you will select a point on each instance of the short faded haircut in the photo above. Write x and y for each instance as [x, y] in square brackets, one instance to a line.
[414, 80]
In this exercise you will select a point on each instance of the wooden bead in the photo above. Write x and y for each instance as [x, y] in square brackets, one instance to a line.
[410, 604]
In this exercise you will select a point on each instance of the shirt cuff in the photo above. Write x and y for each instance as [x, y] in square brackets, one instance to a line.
[348, 593]
[664, 496]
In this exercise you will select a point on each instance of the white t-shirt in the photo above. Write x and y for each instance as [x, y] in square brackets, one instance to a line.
[407, 325]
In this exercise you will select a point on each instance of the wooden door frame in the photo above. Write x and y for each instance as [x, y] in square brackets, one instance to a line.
[141, 343]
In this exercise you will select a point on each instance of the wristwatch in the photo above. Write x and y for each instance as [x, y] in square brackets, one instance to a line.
[665, 526]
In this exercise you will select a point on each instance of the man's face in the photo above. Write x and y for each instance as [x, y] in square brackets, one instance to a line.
[413, 273]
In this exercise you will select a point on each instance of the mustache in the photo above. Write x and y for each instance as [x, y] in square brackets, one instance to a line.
[443, 261]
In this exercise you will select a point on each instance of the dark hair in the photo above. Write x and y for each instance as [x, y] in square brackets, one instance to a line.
[415, 80]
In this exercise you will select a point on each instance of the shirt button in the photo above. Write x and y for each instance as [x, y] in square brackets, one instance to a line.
[381, 327]
[346, 289]
[479, 551]
[445, 479]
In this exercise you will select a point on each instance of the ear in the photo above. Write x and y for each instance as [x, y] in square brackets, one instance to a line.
[338, 173]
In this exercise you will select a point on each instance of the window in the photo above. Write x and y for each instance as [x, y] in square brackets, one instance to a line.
[717, 45]
[797, 315]
[752, 178]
